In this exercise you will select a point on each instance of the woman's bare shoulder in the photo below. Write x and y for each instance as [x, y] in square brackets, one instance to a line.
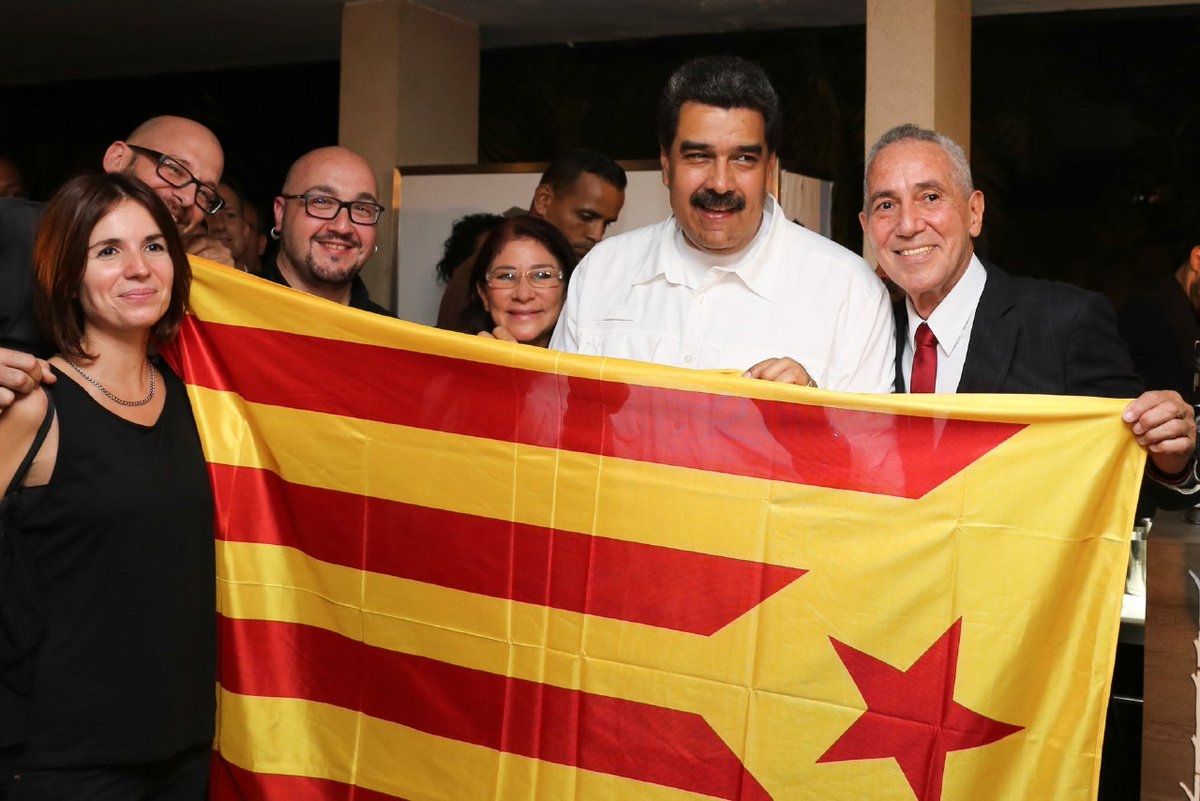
[19, 424]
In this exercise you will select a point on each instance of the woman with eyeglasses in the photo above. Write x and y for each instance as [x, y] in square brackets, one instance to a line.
[107, 573]
[520, 278]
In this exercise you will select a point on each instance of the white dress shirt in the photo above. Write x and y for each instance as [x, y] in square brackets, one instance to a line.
[951, 323]
[649, 295]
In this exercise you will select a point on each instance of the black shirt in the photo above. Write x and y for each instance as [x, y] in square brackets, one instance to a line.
[18, 227]
[359, 298]
[124, 558]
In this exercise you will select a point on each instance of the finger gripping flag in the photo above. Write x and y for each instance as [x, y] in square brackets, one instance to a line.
[452, 568]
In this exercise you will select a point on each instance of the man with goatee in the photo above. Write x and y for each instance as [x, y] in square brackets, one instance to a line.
[325, 219]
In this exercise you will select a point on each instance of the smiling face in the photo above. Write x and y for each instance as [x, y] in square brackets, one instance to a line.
[528, 313]
[919, 220]
[190, 144]
[717, 173]
[127, 279]
[323, 255]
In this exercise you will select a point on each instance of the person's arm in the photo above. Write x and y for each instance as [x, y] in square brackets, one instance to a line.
[566, 330]
[1166, 427]
[18, 425]
[20, 373]
[1098, 363]
[205, 247]
[1096, 359]
[864, 341]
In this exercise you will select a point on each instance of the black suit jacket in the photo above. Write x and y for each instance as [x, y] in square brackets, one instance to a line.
[18, 225]
[1162, 328]
[1046, 338]
[1039, 337]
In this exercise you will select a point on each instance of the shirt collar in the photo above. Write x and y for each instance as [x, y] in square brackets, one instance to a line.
[689, 266]
[951, 320]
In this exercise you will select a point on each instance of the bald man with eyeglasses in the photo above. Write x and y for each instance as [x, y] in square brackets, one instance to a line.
[180, 159]
[326, 219]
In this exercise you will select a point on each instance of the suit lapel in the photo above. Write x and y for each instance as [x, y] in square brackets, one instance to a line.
[900, 313]
[993, 337]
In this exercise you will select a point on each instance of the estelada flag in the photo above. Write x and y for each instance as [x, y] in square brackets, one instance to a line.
[455, 569]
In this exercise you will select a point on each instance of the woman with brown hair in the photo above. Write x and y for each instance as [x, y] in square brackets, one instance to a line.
[111, 528]
[520, 280]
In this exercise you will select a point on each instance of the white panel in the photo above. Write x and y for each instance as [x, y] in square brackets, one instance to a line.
[430, 203]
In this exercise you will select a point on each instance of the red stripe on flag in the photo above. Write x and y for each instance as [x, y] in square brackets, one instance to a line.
[232, 783]
[593, 732]
[836, 448]
[646, 584]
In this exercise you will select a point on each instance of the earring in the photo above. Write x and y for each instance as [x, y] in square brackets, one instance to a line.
[275, 233]
[376, 250]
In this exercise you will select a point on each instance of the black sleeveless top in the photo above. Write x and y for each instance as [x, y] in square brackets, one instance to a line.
[122, 541]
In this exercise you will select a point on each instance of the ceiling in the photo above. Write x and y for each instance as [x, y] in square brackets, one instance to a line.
[58, 40]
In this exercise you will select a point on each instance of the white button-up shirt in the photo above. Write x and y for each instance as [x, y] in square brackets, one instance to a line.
[649, 295]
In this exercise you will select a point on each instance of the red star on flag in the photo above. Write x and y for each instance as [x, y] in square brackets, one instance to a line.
[912, 716]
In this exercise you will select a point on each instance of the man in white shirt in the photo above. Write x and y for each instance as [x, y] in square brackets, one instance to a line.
[727, 282]
[967, 326]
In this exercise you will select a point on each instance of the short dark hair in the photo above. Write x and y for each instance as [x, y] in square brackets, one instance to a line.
[474, 317]
[60, 255]
[238, 188]
[726, 82]
[566, 168]
[459, 246]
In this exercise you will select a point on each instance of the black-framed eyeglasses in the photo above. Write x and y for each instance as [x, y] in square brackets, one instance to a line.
[207, 197]
[538, 277]
[323, 207]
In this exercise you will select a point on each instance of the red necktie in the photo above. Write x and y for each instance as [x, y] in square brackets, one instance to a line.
[924, 367]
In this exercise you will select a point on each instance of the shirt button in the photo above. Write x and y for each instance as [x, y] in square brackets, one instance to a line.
[687, 359]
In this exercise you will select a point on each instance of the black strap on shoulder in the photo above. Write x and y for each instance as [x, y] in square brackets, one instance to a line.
[38, 439]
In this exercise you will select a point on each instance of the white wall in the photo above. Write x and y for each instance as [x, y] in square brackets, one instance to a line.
[431, 199]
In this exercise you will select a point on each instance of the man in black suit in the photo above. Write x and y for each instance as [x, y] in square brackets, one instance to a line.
[966, 326]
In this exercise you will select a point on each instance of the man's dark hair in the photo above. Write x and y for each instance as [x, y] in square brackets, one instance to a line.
[726, 82]
[237, 186]
[460, 245]
[566, 168]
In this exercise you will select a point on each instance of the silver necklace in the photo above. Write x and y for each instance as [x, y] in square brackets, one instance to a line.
[108, 394]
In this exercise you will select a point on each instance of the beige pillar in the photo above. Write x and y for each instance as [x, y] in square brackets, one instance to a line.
[409, 95]
[919, 68]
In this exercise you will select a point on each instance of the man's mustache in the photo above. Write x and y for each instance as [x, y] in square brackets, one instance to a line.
[714, 201]
[345, 239]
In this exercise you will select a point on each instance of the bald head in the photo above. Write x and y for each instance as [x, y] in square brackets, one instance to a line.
[327, 162]
[185, 141]
[322, 255]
